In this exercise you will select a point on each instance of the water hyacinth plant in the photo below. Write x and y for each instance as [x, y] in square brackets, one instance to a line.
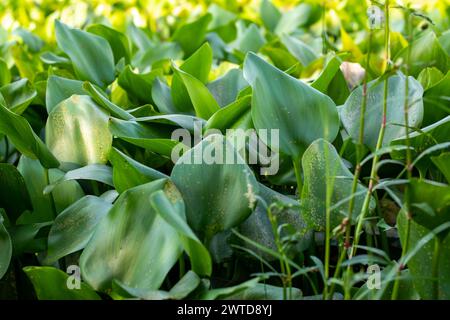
[256, 149]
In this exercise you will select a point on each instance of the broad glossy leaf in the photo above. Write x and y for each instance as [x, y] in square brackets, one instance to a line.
[133, 243]
[248, 39]
[426, 51]
[53, 59]
[226, 88]
[51, 284]
[128, 173]
[95, 172]
[443, 163]
[300, 113]
[324, 171]
[177, 120]
[302, 15]
[44, 206]
[428, 77]
[156, 138]
[91, 55]
[197, 65]
[5, 248]
[435, 100]
[270, 14]
[228, 116]
[202, 100]
[420, 266]
[14, 197]
[332, 82]
[102, 101]
[191, 35]
[24, 238]
[430, 203]
[117, 40]
[218, 196]
[258, 227]
[162, 97]
[77, 132]
[199, 256]
[156, 53]
[350, 113]
[138, 86]
[300, 50]
[18, 95]
[59, 89]
[74, 227]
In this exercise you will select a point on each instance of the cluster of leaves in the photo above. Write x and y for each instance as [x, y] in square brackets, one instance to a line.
[86, 176]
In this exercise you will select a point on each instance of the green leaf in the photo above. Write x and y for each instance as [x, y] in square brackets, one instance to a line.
[218, 196]
[197, 252]
[227, 117]
[59, 89]
[331, 81]
[52, 284]
[162, 97]
[191, 35]
[44, 206]
[133, 243]
[18, 95]
[54, 60]
[443, 163]
[91, 55]
[117, 40]
[158, 52]
[258, 227]
[5, 74]
[300, 50]
[425, 51]
[350, 113]
[222, 293]
[95, 172]
[270, 15]
[302, 15]
[265, 292]
[202, 100]
[424, 139]
[325, 175]
[77, 132]
[74, 227]
[5, 249]
[300, 113]
[156, 138]
[226, 88]
[428, 77]
[138, 86]
[102, 101]
[430, 203]
[33, 42]
[435, 101]
[197, 65]
[420, 265]
[128, 173]
[14, 197]
[248, 39]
